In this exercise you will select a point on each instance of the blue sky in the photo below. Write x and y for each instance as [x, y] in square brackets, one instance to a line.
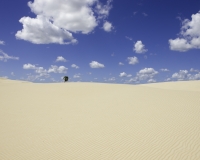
[111, 41]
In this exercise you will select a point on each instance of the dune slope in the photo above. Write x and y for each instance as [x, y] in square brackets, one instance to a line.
[77, 121]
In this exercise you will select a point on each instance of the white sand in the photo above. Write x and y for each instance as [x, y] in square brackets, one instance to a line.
[94, 121]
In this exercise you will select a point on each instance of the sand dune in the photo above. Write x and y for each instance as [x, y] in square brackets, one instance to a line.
[94, 121]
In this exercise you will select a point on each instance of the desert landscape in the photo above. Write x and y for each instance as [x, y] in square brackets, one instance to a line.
[93, 121]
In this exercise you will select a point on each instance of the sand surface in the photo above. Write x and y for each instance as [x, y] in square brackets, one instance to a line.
[96, 121]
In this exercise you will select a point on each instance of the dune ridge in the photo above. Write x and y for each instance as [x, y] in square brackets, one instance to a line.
[99, 121]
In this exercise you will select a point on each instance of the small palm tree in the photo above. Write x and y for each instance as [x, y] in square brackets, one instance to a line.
[65, 78]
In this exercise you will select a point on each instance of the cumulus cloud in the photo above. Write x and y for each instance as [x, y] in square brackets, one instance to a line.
[56, 69]
[151, 81]
[107, 26]
[194, 77]
[133, 60]
[123, 74]
[40, 30]
[42, 71]
[60, 59]
[164, 70]
[2, 42]
[77, 75]
[139, 47]
[189, 37]
[5, 57]
[121, 64]
[95, 64]
[168, 79]
[185, 75]
[194, 70]
[74, 66]
[146, 73]
[181, 75]
[103, 10]
[111, 79]
[56, 20]
[35, 77]
[29, 66]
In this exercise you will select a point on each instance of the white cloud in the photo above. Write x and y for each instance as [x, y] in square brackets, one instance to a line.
[194, 70]
[189, 37]
[44, 72]
[74, 66]
[181, 75]
[168, 79]
[185, 75]
[12, 73]
[4, 57]
[40, 30]
[32, 77]
[29, 66]
[95, 64]
[194, 77]
[179, 44]
[60, 59]
[75, 16]
[132, 80]
[123, 74]
[146, 73]
[151, 81]
[121, 64]
[41, 71]
[103, 10]
[164, 70]
[77, 75]
[56, 69]
[56, 20]
[129, 38]
[112, 79]
[2, 42]
[133, 60]
[107, 26]
[139, 47]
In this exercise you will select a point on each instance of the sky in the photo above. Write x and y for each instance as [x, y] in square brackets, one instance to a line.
[106, 41]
